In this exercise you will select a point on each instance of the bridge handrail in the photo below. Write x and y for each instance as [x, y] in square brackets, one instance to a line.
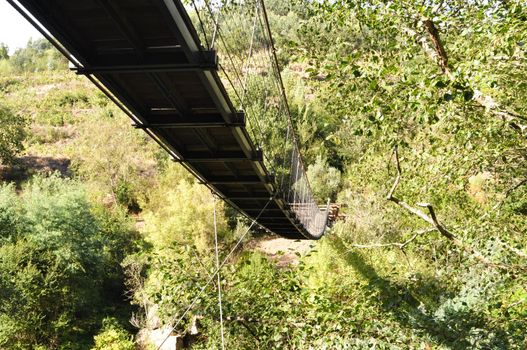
[253, 33]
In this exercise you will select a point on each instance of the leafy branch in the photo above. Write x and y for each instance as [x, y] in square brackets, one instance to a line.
[439, 54]
[432, 219]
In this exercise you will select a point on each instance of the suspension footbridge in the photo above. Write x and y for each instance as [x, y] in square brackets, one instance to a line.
[202, 79]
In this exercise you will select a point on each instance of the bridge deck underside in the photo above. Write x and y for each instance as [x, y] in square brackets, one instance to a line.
[141, 52]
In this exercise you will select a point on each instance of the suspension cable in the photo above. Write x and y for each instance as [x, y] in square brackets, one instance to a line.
[211, 278]
[252, 27]
[246, 64]
[218, 275]
[201, 24]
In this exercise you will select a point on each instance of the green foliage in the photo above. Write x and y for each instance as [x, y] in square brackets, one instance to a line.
[324, 180]
[56, 107]
[360, 79]
[375, 69]
[181, 210]
[38, 55]
[125, 196]
[169, 278]
[12, 134]
[55, 247]
[4, 52]
[360, 82]
[314, 305]
[314, 126]
[113, 337]
[9, 224]
[116, 159]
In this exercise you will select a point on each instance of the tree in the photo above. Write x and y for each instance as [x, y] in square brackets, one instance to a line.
[58, 263]
[113, 337]
[117, 158]
[4, 52]
[38, 55]
[180, 210]
[324, 180]
[12, 134]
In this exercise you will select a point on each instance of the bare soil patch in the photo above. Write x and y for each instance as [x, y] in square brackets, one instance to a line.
[27, 166]
[283, 251]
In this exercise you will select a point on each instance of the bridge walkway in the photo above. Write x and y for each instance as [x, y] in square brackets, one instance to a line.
[147, 57]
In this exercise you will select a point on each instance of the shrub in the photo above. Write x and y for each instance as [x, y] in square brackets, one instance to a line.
[324, 180]
[58, 107]
[181, 210]
[8, 212]
[113, 337]
[56, 247]
[116, 159]
[39, 55]
[4, 52]
[12, 134]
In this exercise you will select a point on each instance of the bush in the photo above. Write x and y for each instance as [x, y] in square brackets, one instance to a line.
[58, 107]
[8, 212]
[4, 52]
[116, 159]
[12, 134]
[113, 337]
[39, 55]
[181, 210]
[324, 180]
[59, 264]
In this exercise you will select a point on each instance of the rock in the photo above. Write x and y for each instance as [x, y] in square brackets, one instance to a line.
[156, 337]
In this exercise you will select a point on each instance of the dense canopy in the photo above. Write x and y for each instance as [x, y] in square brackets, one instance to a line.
[411, 116]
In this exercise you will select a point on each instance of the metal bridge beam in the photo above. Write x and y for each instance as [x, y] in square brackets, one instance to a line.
[242, 181]
[248, 198]
[221, 157]
[209, 62]
[172, 119]
[147, 68]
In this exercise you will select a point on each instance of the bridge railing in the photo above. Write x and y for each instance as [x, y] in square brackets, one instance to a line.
[239, 31]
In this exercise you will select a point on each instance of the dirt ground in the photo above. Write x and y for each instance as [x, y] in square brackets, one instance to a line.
[283, 251]
[29, 165]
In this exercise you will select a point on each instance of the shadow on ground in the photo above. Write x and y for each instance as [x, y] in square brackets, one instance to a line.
[27, 166]
[454, 331]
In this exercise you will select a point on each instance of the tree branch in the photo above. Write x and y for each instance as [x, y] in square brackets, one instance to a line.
[439, 54]
[438, 44]
[507, 194]
[398, 178]
[432, 219]
[515, 187]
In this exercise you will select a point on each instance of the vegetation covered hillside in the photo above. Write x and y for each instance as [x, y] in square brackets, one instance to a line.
[412, 115]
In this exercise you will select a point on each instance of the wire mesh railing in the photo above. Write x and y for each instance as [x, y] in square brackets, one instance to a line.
[239, 32]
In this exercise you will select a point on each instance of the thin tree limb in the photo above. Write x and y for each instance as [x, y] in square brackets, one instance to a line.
[249, 329]
[507, 194]
[439, 54]
[432, 219]
[515, 187]
[521, 301]
[438, 44]
[395, 153]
